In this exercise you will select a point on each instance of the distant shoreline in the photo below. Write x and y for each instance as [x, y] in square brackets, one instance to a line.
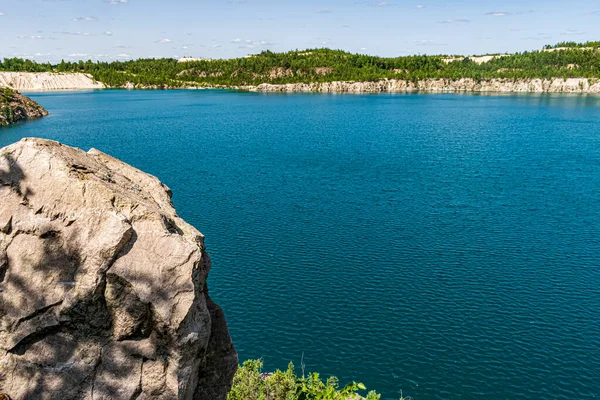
[563, 68]
[554, 85]
[47, 81]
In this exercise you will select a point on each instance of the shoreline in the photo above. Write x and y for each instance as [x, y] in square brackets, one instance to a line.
[30, 82]
[463, 85]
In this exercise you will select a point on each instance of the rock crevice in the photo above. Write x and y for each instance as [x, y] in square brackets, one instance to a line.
[103, 292]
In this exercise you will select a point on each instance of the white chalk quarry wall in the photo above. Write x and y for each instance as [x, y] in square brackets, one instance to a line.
[33, 81]
[556, 85]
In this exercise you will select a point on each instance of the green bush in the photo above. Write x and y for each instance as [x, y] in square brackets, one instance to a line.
[6, 111]
[250, 383]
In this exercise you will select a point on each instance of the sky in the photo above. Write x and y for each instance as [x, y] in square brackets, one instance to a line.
[51, 30]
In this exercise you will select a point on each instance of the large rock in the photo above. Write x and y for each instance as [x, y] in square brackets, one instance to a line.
[15, 107]
[102, 286]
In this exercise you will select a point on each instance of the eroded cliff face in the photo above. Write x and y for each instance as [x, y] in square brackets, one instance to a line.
[15, 107]
[34, 81]
[102, 286]
[555, 85]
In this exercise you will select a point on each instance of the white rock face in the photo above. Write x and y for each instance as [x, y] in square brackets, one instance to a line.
[556, 85]
[102, 286]
[38, 81]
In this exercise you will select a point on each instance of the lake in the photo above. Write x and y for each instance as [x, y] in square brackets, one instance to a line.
[444, 245]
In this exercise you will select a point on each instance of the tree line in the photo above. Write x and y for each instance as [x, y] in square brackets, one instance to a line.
[326, 65]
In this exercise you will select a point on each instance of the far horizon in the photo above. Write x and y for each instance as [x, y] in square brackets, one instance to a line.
[191, 58]
[108, 30]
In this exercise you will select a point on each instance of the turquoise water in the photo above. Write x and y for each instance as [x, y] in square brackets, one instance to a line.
[445, 245]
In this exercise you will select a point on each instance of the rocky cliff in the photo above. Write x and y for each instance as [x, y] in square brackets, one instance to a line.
[72, 81]
[103, 289]
[556, 85]
[34, 81]
[15, 107]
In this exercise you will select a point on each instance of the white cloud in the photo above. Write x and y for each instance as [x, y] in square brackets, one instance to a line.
[117, 2]
[35, 37]
[108, 33]
[1, 14]
[455, 21]
[537, 38]
[250, 44]
[31, 56]
[376, 3]
[499, 13]
[540, 36]
[429, 43]
[121, 56]
[72, 55]
[85, 19]
[324, 11]
[74, 33]
[570, 32]
[420, 6]
[164, 41]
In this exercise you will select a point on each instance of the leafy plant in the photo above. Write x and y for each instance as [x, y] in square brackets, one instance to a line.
[250, 383]
[6, 111]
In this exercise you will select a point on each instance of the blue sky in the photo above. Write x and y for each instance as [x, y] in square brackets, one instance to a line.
[51, 30]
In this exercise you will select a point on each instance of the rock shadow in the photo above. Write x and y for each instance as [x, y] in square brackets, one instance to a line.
[12, 175]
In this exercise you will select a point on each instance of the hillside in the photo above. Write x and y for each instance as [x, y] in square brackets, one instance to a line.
[15, 107]
[567, 60]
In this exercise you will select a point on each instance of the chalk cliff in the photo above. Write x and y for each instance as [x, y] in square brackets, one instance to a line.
[103, 289]
[71, 81]
[555, 85]
[37, 81]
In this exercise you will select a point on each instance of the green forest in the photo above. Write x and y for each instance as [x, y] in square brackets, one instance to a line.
[564, 60]
[573, 44]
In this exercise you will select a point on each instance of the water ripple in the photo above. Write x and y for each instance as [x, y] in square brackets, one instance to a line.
[444, 245]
